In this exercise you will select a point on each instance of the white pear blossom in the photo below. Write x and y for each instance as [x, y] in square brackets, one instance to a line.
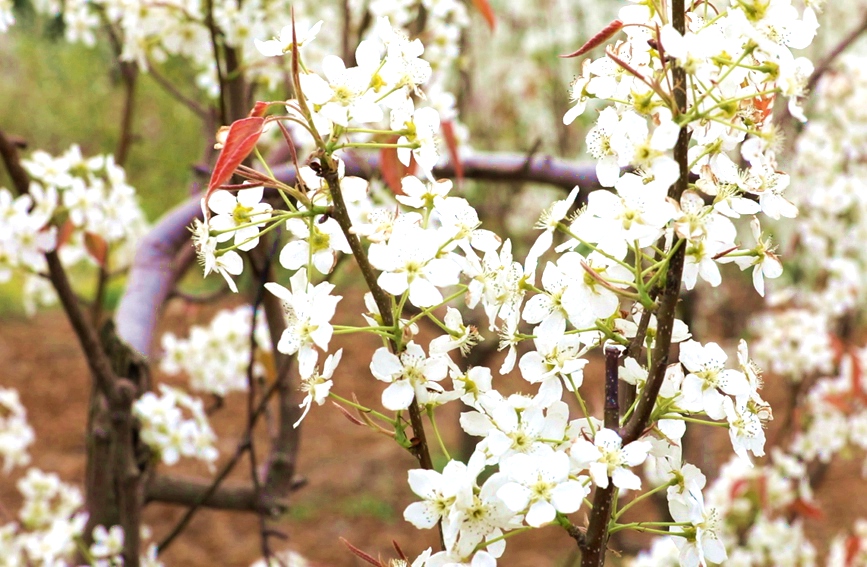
[345, 96]
[282, 44]
[707, 378]
[238, 216]
[606, 458]
[409, 262]
[308, 311]
[317, 385]
[408, 374]
[540, 485]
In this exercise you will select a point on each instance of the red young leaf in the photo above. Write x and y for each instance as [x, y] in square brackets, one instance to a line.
[391, 168]
[348, 415]
[240, 141]
[452, 145]
[598, 39]
[65, 233]
[739, 488]
[853, 546]
[856, 376]
[399, 551]
[807, 509]
[259, 108]
[96, 247]
[485, 10]
[369, 558]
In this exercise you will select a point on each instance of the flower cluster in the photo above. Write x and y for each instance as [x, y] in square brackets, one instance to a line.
[93, 196]
[850, 549]
[174, 425]
[793, 342]
[751, 507]
[49, 522]
[838, 413]
[148, 32]
[428, 248]
[215, 357]
[107, 546]
[86, 200]
[16, 435]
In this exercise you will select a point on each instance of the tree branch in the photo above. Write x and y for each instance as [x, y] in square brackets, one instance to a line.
[176, 94]
[129, 75]
[593, 554]
[191, 491]
[88, 339]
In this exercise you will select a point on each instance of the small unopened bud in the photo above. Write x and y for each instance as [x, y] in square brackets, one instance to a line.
[763, 412]
[222, 134]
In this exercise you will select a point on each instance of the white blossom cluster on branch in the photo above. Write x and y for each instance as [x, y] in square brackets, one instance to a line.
[50, 523]
[428, 249]
[215, 357]
[82, 207]
[174, 425]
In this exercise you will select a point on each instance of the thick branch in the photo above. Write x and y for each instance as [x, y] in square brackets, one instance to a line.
[152, 276]
[191, 491]
[612, 381]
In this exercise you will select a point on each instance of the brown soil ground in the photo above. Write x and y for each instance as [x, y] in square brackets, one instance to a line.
[356, 486]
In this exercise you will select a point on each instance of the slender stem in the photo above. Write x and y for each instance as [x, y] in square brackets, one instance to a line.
[698, 421]
[640, 498]
[433, 422]
[362, 408]
[373, 145]
[640, 528]
[585, 412]
[484, 544]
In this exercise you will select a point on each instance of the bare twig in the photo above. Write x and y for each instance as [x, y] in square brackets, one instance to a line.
[215, 48]
[251, 402]
[176, 94]
[211, 491]
[828, 60]
[129, 76]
